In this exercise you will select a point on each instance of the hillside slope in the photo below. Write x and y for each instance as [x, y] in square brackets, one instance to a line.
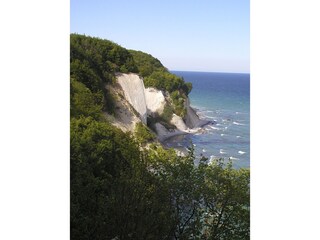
[129, 87]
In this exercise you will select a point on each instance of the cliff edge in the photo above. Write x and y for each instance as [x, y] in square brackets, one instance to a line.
[151, 102]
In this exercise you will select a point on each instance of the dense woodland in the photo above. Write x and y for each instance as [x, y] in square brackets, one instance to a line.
[120, 190]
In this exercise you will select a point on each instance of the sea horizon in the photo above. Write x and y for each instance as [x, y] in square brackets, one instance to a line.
[172, 71]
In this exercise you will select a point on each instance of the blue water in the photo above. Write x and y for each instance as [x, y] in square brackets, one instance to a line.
[224, 98]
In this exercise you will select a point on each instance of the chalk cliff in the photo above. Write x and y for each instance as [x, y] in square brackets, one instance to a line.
[178, 122]
[151, 102]
[133, 88]
[155, 101]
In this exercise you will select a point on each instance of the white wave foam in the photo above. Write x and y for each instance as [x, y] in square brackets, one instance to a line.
[233, 158]
[203, 150]
[241, 113]
[194, 145]
[212, 127]
[222, 134]
[236, 123]
[222, 151]
[238, 137]
[241, 152]
[206, 116]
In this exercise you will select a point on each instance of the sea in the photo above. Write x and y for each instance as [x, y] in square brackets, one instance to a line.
[223, 98]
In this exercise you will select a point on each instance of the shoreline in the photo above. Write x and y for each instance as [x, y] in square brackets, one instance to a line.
[166, 137]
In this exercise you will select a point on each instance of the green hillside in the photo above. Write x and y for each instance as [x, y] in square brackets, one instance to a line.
[94, 62]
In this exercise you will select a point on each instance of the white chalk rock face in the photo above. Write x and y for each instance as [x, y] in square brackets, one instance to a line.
[155, 100]
[133, 88]
[178, 122]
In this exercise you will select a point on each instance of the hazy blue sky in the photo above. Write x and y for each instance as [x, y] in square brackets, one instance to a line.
[203, 35]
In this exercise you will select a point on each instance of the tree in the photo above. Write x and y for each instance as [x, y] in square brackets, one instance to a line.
[113, 194]
[209, 201]
[225, 200]
[83, 102]
[119, 191]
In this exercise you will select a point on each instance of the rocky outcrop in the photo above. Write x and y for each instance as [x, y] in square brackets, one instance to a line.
[163, 133]
[133, 88]
[192, 119]
[178, 122]
[124, 117]
[155, 101]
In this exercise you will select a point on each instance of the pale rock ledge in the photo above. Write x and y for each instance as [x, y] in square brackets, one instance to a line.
[155, 101]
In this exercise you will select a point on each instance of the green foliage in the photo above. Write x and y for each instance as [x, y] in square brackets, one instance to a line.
[93, 62]
[102, 56]
[226, 201]
[167, 113]
[83, 102]
[187, 87]
[166, 81]
[109, 101]
[146, 63]
[211, 201]
[119, 191]
[143, 134]
[156, 75]
[178, 100]
[82, 71]
[112, 192]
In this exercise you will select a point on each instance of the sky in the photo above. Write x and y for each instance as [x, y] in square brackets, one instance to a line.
[186, 35]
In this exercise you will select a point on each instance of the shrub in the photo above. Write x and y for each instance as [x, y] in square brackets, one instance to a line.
[167, 113]
[143, 134]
